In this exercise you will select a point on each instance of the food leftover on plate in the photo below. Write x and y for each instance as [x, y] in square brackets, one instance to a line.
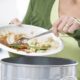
[33, 46]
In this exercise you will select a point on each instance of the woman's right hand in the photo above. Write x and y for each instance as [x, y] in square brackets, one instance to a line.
[15, 21]
[65, 24]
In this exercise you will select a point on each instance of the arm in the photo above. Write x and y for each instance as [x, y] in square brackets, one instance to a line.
[38, 13]
[27, 17]
[76, 35]
[68, 25]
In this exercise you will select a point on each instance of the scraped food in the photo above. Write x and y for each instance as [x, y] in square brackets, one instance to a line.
[32, 46]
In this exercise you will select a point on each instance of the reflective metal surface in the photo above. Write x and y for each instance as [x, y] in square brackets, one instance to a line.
[34, 69]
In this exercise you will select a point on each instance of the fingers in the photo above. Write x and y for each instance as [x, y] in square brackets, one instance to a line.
[65, 25]
[55, 26]
[74, 27]
[15, 21]
[62, 24]
[68, 24]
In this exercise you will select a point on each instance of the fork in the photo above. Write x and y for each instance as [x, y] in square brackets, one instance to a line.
[41, 34]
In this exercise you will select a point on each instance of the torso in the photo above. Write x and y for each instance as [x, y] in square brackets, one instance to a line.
[69, 8]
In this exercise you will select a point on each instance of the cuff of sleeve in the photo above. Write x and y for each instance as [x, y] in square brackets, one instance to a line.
[76, 34]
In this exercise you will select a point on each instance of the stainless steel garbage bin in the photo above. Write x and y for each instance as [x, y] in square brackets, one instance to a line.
[38, 68]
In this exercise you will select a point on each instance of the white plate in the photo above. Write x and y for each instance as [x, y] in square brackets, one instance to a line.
[28, 29]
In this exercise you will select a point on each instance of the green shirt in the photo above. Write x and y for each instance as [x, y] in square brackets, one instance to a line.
[38, 13]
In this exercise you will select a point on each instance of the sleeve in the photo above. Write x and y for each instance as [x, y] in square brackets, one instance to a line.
[27, 17]
[76, 36]
[38, 13]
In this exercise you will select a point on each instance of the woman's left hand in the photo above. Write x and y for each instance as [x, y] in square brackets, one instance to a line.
[16, 22]
[65, 24]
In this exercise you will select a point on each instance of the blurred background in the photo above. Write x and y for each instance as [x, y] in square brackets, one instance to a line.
[10, 9]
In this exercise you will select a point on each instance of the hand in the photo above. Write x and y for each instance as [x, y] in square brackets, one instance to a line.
[15, 21]
[66, 25]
